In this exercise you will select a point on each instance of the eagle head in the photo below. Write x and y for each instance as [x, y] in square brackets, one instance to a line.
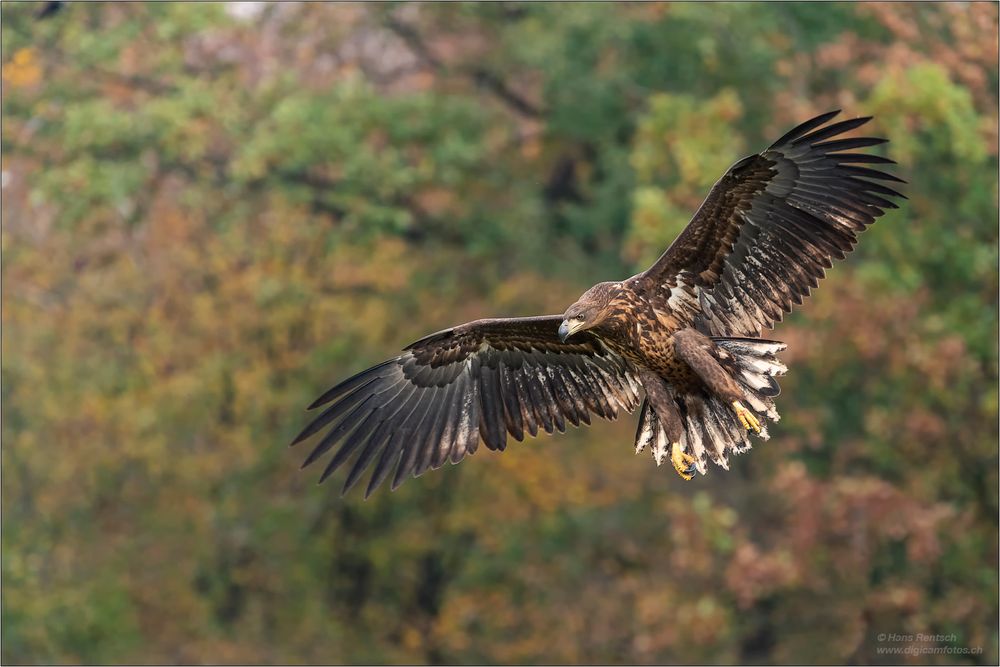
[590, 310]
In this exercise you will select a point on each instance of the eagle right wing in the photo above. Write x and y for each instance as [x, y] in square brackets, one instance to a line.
[483, 379]
[770, 227]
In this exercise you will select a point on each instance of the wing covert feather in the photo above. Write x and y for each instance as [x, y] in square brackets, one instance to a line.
[770, 227]
[478, 381]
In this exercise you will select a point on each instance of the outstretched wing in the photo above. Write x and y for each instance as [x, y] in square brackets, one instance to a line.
[770, 227]
[483, 379]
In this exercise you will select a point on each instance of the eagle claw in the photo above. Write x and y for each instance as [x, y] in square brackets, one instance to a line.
[683, 462]
[747, 418]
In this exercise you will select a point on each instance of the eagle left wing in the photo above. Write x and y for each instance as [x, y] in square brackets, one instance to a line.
[770, 227]
[478, 381]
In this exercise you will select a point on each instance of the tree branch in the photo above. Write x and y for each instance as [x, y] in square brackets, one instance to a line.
[479, 75]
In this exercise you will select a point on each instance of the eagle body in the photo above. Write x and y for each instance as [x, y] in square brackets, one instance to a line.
[681, 340]
[640, 327]
[644, 334]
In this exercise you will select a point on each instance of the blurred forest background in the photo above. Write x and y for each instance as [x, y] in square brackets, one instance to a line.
[212, 212]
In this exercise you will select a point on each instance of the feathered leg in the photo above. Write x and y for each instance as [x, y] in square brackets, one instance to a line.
[700, 353]
[661, 424]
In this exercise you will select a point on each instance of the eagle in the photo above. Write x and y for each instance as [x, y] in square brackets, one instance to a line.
[680, 341]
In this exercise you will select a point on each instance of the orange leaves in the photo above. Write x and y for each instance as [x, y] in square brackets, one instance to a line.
[23, 70]
[386, 267]
[856, 515]
[753, 575]
[207, 220]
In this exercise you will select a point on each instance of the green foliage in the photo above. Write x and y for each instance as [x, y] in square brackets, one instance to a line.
[209, 218]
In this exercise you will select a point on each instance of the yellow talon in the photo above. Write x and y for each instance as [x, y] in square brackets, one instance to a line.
[683, 462]
[747, 418]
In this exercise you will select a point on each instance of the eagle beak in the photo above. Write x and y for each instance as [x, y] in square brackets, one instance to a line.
[564, 331]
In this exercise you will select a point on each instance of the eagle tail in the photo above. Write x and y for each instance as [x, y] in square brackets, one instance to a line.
[753, 364]
[711, 427]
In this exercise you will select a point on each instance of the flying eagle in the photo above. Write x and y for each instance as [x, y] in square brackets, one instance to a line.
[681, 338]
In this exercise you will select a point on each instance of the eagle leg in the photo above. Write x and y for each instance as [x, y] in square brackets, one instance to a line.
[746, 417]
[702, 355]
[665, 425]
[683, 462]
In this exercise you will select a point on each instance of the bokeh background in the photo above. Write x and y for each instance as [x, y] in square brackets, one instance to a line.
[212, 212]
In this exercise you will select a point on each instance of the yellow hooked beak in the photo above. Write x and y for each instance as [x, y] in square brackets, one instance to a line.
[568, 328]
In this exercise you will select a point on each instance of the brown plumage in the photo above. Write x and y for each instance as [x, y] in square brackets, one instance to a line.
[684, 332]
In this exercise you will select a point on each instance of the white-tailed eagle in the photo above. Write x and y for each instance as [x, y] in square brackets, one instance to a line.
[681, 338]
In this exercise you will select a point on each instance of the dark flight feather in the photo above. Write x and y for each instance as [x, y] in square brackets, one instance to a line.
[500, 377]
[774, 221]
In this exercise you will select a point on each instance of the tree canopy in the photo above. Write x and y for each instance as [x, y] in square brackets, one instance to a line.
[211, 212]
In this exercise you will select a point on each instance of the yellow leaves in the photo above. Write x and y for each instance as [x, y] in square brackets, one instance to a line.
[916, 100]
[531, 148]
[386, 267]
[656, 221]
[154, 371]
[23, 69]
[681, 148]
[530, 292]
[685, 139]
[412, 639]
[702, 139]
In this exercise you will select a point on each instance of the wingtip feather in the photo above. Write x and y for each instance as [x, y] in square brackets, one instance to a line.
[804, 128]
[826, 131]
[303, 435]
